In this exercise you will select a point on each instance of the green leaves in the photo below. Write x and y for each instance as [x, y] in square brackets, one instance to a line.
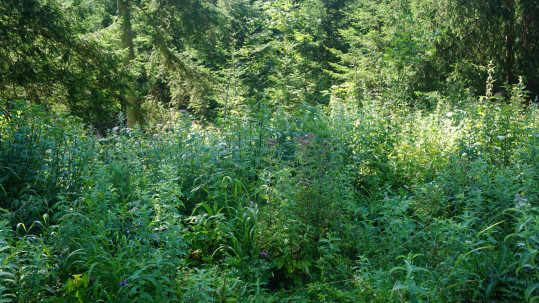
[367, 202]
[410, 271]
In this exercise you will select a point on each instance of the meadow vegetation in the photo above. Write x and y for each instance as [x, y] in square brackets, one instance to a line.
[344, 203]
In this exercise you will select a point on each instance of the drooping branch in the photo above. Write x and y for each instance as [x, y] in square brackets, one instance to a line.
[186, 78]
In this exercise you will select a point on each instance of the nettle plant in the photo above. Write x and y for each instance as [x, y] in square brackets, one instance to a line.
[525, 242]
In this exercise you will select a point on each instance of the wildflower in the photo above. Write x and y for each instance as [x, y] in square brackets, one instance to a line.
[92, 279]
[124, 282]
[521, 202]
[264, 254]
[183, 111]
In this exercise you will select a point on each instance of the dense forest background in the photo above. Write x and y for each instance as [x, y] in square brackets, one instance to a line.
[149, 59]
[269, 151]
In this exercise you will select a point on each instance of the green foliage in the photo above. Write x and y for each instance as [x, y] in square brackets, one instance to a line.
[340, 204]
[404, 187]
[225, 55]
[46, 62]
[42, 156]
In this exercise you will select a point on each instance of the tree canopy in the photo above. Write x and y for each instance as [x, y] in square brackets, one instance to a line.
[204, 55]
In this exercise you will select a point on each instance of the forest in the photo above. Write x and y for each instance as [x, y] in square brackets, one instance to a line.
[269, 151]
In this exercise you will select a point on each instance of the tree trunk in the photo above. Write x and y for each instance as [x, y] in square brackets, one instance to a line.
[509, 41]
[133, 101]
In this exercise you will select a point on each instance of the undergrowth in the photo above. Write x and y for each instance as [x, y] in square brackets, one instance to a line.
[337, 204]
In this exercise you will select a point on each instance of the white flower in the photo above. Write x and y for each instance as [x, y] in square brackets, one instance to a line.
[521, 202]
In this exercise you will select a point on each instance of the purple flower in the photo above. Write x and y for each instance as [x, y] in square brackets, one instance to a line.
[92, 279]
[264, 254]
[124, 282]
[183, 111]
